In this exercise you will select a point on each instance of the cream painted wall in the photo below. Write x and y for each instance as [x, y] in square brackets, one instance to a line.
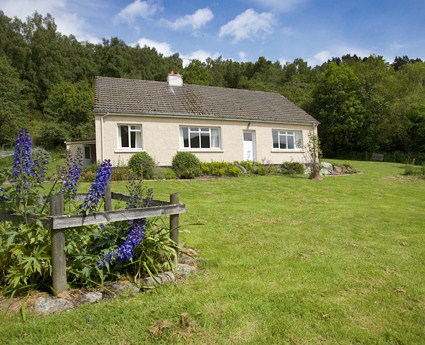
[160, 138]
[73, 146]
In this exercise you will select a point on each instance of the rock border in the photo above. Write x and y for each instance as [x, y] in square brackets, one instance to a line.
[45, 304]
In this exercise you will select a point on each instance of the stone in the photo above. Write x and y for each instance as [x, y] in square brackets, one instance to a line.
[188, 260]
[163, 278]
[241, 167]
[125, 287]
[339, 170]
[185, 270]
[326, 168]
[92, 297]
[47, 305]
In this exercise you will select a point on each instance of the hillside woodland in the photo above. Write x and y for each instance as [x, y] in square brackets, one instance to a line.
[46, 83]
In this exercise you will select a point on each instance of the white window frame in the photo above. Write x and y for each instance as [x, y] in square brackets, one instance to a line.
[138, 143]
[282, 138]
[200, 130]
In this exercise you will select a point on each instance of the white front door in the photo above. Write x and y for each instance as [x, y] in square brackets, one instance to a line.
[249, 146]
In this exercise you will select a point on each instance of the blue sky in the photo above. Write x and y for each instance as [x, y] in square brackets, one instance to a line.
[243, 30]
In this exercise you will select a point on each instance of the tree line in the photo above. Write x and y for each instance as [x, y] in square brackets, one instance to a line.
[46, 82]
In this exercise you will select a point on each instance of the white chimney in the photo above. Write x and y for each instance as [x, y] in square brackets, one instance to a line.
[175, 79]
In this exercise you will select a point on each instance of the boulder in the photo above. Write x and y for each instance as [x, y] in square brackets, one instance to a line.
[92, 297]
[160, 279]
[326, 168]
[48, 305]
[185, 270]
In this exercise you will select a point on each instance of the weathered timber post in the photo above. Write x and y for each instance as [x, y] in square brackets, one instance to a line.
[108, 199]
[58, 247]
[174, 219]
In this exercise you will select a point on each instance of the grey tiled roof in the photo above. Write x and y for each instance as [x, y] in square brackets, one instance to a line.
[132, 96]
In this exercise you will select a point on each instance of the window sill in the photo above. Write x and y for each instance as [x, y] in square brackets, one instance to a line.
[287, 151]
[127, 150]
[201, 150]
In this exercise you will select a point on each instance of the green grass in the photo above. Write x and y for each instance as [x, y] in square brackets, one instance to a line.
[284, 260]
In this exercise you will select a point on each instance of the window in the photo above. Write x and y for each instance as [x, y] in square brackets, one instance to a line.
[287, 140]
[87, 152]
[200, 137]
[130, 136]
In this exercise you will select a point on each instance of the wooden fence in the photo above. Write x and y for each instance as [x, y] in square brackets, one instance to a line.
[58, 223]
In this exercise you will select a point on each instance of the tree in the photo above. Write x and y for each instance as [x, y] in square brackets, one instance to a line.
[12, 109]
[338, 105]
[72, 103]
[197, 73]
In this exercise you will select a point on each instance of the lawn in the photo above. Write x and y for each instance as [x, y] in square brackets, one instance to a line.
[283, 260]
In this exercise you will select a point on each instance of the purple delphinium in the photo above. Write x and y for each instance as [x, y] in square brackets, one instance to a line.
[72, 174]
[135, 235]
[40, 159]
[22, 168]
[97, 189]
[126, 251]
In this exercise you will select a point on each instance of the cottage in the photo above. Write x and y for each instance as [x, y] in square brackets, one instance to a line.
[214, 123]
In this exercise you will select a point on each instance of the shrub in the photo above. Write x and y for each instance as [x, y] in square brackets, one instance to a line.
[234, 171]
[142, 164]
[120, 173]
[186, 165]
[293, 168]
[220, 169]
[414, 170]
[161, 173]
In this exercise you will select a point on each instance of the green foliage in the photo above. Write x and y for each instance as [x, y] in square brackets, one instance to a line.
[258, 168]
[53, 134]
[293, 168]
[220, 169]
[12, 103]
[157, 252]
[414, 170]
[24, 255]
[25, 247]
[186, 165]
[142, 164]
[161, 173]
[72, 103]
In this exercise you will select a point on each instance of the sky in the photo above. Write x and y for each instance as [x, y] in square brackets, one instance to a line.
[243, 30]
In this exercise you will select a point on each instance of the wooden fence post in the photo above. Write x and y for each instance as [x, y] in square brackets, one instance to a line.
[58, 247]
[174, 219]
[108, 198]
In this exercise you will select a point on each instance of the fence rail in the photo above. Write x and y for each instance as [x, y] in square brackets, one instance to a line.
[58, 223]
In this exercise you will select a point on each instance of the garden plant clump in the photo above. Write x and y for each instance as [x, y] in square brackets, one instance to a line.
[186, 165]
[94, 254]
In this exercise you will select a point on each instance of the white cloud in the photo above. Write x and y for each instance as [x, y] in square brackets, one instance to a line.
[320, 58]
[248, 25]
[67, 23]
[200, 55]
[161, 47]
[72, 24]
[283, 61]
[337, 51]
[195, 20]
[242, 56]
[137, 9]
[397, 46]
[279, 5]
[24, 8]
